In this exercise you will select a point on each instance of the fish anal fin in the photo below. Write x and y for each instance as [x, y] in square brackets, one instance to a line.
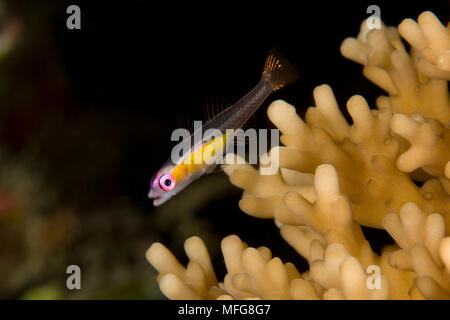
[240, 140]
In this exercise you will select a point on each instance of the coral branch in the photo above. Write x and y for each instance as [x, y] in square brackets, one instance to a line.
[335, 177]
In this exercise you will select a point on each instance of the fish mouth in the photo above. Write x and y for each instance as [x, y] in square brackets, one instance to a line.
[152, 195]
[158, 198]
[157, 202]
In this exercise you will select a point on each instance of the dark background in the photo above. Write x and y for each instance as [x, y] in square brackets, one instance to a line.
[89, 113]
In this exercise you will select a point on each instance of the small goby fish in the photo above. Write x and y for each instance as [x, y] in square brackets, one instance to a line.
[174, 177]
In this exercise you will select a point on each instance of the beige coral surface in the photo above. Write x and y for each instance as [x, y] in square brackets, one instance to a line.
[335, 177]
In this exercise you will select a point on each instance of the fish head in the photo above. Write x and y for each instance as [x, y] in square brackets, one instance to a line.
[166, 183]
[163, 185]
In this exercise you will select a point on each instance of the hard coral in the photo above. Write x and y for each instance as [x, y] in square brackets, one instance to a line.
[335, 177]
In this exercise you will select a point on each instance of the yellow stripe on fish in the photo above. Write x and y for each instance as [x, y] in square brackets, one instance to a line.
[199, 158]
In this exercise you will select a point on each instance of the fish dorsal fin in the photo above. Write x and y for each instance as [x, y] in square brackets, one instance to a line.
[185, 123]
[214, 106]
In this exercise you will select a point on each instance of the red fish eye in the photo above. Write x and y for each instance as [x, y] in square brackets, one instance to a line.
[167, 182]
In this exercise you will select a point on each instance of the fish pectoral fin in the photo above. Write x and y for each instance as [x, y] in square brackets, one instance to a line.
[214, 169]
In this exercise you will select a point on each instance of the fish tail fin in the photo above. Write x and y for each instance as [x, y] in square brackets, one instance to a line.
[278, 70]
